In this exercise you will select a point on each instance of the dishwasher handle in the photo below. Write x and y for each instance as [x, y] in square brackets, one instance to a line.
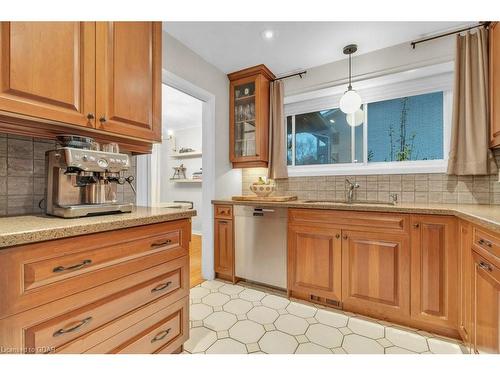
[260, 211]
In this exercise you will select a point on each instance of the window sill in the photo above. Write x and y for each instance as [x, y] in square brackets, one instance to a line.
[402, 167]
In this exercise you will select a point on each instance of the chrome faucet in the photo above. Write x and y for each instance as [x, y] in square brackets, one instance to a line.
[350, 191]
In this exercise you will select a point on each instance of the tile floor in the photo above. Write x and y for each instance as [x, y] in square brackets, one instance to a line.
[241, 319]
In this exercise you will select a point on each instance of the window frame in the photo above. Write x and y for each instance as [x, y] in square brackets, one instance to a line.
[383, 89]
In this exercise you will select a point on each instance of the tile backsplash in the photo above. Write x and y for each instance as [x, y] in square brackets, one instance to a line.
[22, 175]
[411, 188]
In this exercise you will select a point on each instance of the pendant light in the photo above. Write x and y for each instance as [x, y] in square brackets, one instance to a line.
[350, 101]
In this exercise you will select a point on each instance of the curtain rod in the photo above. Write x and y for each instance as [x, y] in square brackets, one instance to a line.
[480, 24]
[300, 74]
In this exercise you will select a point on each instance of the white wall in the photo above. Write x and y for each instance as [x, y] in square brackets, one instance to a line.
[393, 59]
[183, 62]
[172, 191]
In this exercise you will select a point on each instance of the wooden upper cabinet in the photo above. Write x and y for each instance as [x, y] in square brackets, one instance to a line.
[249, 117]
[486, 304]
[315, 262]
[376, 273]
[434, 270]
[47, 70]
[495, 84]
[128, 78]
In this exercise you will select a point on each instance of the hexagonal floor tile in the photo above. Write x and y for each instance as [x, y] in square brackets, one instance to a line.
[276, 342]
[227, 346]
[212, 284]
[252, 295]
[407, 340]
[331, 318]
[262, 315]
[230, 289]
[324, 335]
[275, 302]
[366, 328]
[291, 324]
[200, 340]
[355, 344]
[198, 293]
[247, 331]
[298, 309]
[220, 321]
[310, 348]
[199, 311]
[397, 350]
[238, 306]
[215, 299]
[443, 347]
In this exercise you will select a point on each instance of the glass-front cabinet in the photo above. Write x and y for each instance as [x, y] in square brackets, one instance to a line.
[249, 117]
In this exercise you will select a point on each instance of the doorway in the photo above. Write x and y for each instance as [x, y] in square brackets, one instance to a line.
[188, 124]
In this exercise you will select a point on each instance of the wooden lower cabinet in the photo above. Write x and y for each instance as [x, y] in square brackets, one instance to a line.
[315, 263]
[434, 271]
[224, 249]
[144, 310]
[485, 303]
[376, 274]
[464, 268]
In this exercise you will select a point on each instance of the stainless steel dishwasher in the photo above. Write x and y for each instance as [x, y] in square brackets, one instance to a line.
[260, 244]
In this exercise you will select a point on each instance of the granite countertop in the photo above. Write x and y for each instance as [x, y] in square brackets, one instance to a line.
[17, 230]
[487, 216]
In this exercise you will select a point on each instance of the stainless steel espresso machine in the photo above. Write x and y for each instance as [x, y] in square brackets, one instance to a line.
[82, 180]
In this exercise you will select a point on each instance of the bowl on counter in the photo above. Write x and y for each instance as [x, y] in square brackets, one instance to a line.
[262, 190]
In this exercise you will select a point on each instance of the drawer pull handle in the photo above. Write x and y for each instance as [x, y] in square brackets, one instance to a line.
[80, 324]
[484, 242]
[161, 243]
[416, 225]
[485, 266]
[161, 287]
[84, 263]
[160, 335]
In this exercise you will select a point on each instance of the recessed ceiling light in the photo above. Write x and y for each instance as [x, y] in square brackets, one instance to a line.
[268, 34]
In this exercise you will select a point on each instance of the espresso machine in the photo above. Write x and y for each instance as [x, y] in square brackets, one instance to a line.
[82, 180]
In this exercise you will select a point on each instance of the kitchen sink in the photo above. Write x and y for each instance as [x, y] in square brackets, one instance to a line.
[333, 201]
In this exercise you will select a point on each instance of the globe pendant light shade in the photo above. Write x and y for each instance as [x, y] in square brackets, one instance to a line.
[350, 102]
[356, 118]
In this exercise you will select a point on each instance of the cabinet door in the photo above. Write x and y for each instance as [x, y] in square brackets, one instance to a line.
[495, 84]
[376, 273]
[434, 270]
[128, 78]
[224, 248]
[315, 261]
[486, 305]
[48, 70]
[464, 266]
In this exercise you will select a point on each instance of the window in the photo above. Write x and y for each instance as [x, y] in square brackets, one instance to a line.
[398, 134]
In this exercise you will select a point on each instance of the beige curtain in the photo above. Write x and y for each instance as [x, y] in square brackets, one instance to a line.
[469, 152]
[277, 133]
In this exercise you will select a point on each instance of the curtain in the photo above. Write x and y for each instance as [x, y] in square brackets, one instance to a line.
[469, 152]
[277, 167]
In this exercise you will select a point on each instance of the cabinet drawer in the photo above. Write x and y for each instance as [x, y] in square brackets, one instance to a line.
[224, 212]
[487, 241]
[64, 328]
[390, 222]
[161, 329]
[36, 274]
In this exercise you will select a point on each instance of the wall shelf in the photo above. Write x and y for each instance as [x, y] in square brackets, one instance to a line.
[186, 180]
[193, 154]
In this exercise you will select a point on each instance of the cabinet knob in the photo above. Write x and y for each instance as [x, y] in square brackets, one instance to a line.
[344, 237]
[337, 236]
[416, 225]
[102, 119]
[90, 116]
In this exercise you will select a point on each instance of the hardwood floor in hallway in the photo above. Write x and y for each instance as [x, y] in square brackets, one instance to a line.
[195, 277]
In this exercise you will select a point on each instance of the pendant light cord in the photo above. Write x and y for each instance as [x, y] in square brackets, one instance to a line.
[350, 86]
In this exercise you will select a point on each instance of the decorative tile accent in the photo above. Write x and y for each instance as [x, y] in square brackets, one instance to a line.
[217, 329]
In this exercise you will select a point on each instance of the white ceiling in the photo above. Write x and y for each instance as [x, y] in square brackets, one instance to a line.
[180, 110]
[231, 46]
